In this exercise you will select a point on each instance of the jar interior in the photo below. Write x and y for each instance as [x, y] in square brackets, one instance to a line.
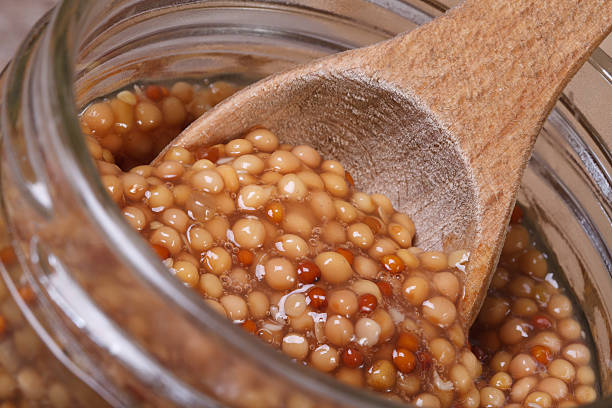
[245, 41]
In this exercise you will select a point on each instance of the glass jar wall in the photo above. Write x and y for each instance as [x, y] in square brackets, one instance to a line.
[100, 306]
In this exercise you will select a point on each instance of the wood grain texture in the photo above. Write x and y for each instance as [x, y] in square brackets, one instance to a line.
[491, 83]
[442, 119]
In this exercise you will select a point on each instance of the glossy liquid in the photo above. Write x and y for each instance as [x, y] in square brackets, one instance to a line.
[529, 338]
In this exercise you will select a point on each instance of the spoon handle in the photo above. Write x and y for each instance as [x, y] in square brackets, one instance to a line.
[490, 71]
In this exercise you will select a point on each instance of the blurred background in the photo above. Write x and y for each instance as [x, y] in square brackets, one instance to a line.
[16, 18]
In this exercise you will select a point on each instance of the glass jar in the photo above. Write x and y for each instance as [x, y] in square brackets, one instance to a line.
[106, 325]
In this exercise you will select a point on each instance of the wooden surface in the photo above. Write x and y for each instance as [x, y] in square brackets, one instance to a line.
[443, 118]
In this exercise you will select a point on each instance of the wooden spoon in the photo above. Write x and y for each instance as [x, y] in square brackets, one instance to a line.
[442, 119]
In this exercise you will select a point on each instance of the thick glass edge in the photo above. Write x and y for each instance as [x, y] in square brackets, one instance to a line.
[11, 75]
[597, 138]
[602, 62]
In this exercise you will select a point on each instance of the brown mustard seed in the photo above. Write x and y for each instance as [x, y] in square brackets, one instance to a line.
[275, 212]
[385, 288]
[209, 153]
[542, 354]
[317, 298]
[250, 326]
[2, 325]
[351, 357]
[349, 178]
[154, 92]
[308, 272]
[162, 252]
[408, 341]
[245, 257]
[392, 263]
[348, 255]
[404, 360]
[367, 303]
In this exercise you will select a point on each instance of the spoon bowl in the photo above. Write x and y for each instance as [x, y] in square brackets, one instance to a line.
[442, 120]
